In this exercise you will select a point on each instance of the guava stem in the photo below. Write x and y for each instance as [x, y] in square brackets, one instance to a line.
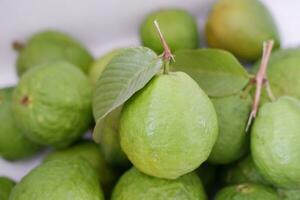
[167, 54]
[260, 79]
[18, 45]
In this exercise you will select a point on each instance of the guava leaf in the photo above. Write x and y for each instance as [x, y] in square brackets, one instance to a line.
[127, 73]
[216, 71]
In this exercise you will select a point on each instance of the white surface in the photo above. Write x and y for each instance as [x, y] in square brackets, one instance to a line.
[102, 25]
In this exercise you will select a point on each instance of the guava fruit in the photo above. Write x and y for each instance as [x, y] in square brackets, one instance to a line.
[134, 185]
[275, 139]
[52, 104]
[289, 194]
[60, 180]
[92, 153]
[208, 176]
[247, 191]
[51, 46]
[98, 65]
[233, 142]
[244, 171]
[241, 27]
[110, 140]
[168, 128]
[6, 185]
[178, 27]
[13, 144]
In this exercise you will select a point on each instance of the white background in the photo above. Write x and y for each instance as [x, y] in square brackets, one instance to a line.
[102, 25]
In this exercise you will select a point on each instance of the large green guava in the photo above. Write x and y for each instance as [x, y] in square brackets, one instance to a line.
[275, 140]
[134, 185]
[289, 194]
[168, 128]
[241, 27]
[51, 46]
[233, 142]
[52, 104]
[6, 185]
[178, 27]
[247, 192]
[13, 144]
[72, 179]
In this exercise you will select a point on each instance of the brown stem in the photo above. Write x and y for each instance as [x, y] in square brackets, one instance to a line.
[18, 45]
[167, 54]
[260, 79]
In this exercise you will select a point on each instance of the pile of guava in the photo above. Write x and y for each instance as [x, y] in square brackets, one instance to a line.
[168, 119]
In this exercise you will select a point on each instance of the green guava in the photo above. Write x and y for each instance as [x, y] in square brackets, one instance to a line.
[51, 46]
[275, 140]
[110, 140]
[208, 176]
[13, 144]
[134, 185]
[60, 180]
[178, 27]
[6, 185]
[98, 65]
[241, 27]
[168, 128]
[289, 194]
[233, 142]
[244, 171]
[247, 191]
[52, 104]
[92, 153]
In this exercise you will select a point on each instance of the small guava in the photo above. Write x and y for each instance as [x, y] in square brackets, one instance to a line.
[6, 185]
[241, 27]
[98, 65]
[289, 194]
[178, 27]
[13, 144]
[52, 104]
[233, 142]
[168, 128]
[134, 185]
[92, 153]
[244, 171]
[247, 191]
[60, 180]
[275, 140]
[52, 46]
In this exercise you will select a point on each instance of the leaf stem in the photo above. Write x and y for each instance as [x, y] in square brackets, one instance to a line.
[167, 54]
[18, 45]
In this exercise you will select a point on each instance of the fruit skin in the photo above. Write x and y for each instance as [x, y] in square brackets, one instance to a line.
[92, 153]
[244, 171]
[6, 186]
[60, 180]
[247, 191]
[241, 27]
[178, 27]
[99, 65]
[135, 185]
[52, 104]
[233, 112]
[13, 144]
[168, 128]
[52, 46]
[275, 139]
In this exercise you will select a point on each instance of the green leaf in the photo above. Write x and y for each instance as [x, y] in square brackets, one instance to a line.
[127, 73]
[217, 72]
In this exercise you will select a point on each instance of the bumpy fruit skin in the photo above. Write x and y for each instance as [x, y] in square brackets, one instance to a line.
[247, 192]
[241, 27]
[72, 179]
[169, 127]
[178, 27]
[99, 65]
[51, 46]
[6, 185]
[52, 104]
[233, 112]
[289, 194]
[135, 185]
[13, 144]
[243, 171]
[275, 140]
